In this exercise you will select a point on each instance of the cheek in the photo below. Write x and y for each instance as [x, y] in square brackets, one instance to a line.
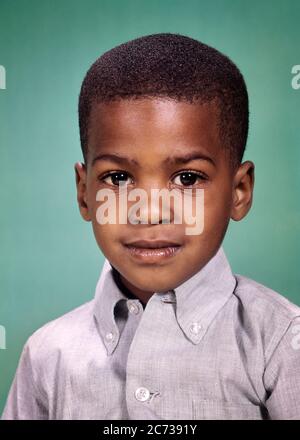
[106, 235]
[217, 208]
[106, 206]
[217, 202]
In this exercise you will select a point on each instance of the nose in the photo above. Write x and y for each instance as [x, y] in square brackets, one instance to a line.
[152, 205]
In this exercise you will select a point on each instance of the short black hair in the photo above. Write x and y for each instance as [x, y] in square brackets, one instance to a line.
[173, 66]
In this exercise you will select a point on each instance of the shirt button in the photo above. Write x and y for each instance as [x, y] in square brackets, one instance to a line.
[142, 394]
[195, 328]
[109, 336]
[168, 297]
[133, 308]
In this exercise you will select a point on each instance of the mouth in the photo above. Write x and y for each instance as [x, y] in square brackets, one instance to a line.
[152, 251]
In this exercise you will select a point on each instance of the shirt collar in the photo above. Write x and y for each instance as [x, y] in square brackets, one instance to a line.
[197, 300]
[107, 296]
[201, 297]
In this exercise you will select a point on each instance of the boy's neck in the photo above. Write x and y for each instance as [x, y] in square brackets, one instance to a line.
[130, 291]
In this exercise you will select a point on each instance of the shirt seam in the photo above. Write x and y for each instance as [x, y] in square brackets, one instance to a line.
[283, 308]
[41, 393]
[277, 345]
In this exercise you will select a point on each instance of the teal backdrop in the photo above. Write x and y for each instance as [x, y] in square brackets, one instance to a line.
[49, 260]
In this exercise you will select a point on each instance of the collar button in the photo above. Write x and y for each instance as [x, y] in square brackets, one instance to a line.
[132, 307]
[195, 328]
[109, 336]
[168, 297]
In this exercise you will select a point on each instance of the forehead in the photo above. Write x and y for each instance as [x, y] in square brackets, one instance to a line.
[154, 123]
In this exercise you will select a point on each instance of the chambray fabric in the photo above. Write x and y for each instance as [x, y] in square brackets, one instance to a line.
[219, 346]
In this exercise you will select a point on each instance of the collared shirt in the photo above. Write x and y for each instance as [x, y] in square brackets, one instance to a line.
[219, 346]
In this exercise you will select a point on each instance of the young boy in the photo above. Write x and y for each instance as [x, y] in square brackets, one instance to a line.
[172, 333]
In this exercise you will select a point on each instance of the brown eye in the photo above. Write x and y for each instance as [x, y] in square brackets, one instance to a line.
[116, 178]
[188, 178]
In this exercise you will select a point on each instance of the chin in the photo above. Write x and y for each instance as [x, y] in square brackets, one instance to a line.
[150, 287]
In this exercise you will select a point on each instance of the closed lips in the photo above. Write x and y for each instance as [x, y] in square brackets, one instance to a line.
[144, 244]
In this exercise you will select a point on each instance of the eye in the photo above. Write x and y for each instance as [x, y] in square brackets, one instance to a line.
[115, 178]
[189, 178]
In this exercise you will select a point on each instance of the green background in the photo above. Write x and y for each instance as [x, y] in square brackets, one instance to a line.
[49, 260]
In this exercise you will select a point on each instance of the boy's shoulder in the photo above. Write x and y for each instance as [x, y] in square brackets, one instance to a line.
[263, 300]
[267, 318]
[265, 314]
[68, 329]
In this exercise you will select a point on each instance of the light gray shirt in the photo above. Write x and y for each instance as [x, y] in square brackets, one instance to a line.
[219, 346]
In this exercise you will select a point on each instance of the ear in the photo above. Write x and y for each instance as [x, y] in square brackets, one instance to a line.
[80, 177]
[242, 192]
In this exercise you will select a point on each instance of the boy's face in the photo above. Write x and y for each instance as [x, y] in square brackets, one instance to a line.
[150, 133]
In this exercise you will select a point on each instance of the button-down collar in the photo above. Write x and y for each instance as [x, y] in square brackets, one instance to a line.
[201, 297]
[107, 296]
[197, 300]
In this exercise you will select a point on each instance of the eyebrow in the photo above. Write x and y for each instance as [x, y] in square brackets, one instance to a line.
[114, 158]
[124, 160]
[189, 157]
